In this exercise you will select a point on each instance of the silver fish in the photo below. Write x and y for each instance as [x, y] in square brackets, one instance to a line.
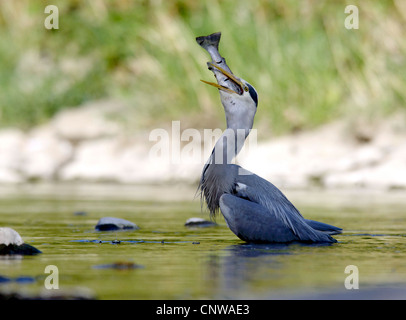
[226, 80]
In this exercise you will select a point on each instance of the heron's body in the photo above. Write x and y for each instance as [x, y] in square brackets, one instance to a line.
[254, 209]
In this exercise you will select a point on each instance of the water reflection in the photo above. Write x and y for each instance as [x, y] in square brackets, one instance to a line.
[244, 266]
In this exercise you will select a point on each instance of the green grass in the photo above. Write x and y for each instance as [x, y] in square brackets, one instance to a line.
[306, 66]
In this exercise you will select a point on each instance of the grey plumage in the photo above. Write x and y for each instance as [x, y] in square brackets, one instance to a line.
[254, 209]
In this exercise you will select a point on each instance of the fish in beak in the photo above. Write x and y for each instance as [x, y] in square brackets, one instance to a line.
[237, 86]
[226, 80]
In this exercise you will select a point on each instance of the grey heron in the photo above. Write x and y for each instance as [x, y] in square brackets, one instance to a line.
[254, 209]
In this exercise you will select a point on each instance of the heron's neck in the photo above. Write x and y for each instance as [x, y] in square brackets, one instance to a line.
[218, 177]
[228, 146]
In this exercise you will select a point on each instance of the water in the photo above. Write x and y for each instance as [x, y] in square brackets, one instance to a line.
[166, 260]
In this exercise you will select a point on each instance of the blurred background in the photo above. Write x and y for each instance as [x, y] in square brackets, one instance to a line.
[79, 110]
[90, 92]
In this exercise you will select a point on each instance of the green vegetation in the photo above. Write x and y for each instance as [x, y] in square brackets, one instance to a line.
[306, 66]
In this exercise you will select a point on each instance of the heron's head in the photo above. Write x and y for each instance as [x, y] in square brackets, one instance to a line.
[239, 98]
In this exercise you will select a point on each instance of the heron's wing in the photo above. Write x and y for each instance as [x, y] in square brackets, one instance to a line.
[252, 222]
[258, 190]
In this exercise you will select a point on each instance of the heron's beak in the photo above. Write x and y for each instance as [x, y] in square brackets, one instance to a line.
[228, 75]
[218, 86]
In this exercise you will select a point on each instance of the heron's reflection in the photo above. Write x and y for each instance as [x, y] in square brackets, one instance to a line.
[243, 267]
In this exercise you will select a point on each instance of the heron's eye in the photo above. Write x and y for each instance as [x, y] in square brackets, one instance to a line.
[246, 89]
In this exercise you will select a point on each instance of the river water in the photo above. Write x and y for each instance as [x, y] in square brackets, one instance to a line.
[166, 260]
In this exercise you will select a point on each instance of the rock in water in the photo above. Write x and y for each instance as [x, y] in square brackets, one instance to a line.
[120, 265]
[199, 222]
[111, 224]
[10, 236]
[80, 213]
[11, 243]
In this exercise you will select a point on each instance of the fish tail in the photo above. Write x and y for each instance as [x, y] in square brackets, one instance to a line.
[211, 40]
